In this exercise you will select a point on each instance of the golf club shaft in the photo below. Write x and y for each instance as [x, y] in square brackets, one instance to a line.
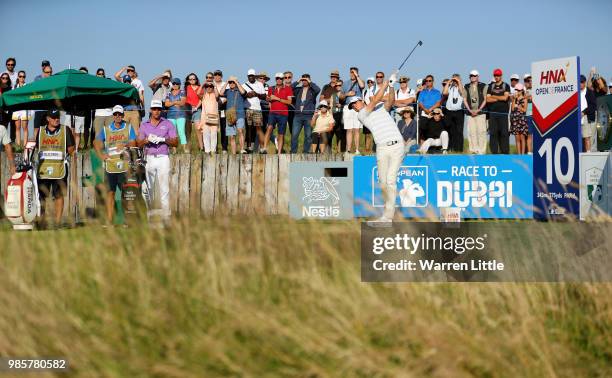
[419, 43]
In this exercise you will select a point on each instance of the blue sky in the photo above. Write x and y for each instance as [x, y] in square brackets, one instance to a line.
[312, 36]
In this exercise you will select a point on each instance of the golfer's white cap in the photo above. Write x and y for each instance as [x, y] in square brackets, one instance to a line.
[514, 77]
[527, 75]
[118, 109]
[250, 72]
[474, 73]
[156, 104]
[279, 75]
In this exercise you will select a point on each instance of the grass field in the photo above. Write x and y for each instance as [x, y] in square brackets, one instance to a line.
[262, 297]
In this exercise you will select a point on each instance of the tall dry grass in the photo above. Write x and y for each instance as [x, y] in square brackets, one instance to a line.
[260, 297]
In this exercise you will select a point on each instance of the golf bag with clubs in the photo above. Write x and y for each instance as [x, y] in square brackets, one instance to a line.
[132, 198]
[21, 202]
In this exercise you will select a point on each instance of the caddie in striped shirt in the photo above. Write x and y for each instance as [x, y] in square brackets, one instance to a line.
[389, 142]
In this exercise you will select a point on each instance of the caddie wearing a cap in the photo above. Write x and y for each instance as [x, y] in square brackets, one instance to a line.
[389, 141]
[55, 144]
[110, 145]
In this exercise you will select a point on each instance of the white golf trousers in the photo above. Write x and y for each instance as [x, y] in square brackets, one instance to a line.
[388, 160]
[158, 173]
[442, 141]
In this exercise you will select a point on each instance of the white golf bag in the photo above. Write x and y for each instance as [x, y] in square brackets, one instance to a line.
[21, 203]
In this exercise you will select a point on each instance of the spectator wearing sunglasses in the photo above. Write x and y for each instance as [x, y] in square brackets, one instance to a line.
[498, 102]
[10, 70]
[175, 102]
[193, 91]
[288, 80]
[219, 83]
[306, 93]
[160, 85]
[40, 117]
[255, 92]
[352, 88]
[5, 114]
[434, 133]
[133, 111]
[429, 99]
[475, 101]
[280, 98]
[21, 117]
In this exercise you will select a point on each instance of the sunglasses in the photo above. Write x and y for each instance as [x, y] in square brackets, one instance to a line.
[473, 75]
[21, 76]
[100, 74]
[4, 78]
[208, 77]
[156, 109]
[129, 70]
[190, 79]
[428, 81]
[10, 64]
[118, 114]
[48, 72]
[527, 80]
[279, 78]
[379, 77]
[288, 77]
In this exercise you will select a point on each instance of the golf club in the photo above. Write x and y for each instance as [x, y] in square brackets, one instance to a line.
[420, 43]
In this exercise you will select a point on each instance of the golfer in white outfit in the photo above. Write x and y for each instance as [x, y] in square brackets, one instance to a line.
[389, 142]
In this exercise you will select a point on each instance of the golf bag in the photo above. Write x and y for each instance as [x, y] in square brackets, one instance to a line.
[21, 203]
[132, 199]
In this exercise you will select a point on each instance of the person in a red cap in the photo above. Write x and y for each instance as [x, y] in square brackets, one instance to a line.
[498, 100]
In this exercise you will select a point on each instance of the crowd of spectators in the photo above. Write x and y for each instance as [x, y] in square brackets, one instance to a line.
[255, 115]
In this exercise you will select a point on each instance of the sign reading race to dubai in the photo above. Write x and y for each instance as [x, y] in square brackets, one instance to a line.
[557, 137]
[481, 186]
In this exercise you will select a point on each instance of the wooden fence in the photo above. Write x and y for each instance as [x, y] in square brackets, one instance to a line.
[199, 184]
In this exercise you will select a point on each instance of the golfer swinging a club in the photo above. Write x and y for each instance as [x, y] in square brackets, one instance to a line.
[389, 142]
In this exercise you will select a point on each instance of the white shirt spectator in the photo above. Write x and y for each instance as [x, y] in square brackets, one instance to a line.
[257, 87]
[404, 95]
[454, 100]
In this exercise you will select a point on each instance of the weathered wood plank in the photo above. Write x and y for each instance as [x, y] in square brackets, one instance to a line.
[183, 183]
[209, 171]
[283, 184]
[258, 184]
[195, 184]
[233, 183]
[271, 184]
[221, 185]
[88, 192]
[245, 186]
[174, 182]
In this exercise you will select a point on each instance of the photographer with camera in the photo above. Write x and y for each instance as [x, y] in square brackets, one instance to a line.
[454, 93]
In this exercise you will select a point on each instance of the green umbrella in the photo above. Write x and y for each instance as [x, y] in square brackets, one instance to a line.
[70, 90]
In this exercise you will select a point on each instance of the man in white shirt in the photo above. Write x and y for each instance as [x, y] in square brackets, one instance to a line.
[389, 142]
[132, 112]
[454, 93]
[254, 117]
[404, 96]
[10, 70]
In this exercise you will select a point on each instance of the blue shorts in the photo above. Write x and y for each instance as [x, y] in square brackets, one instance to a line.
[196, 116]
[278, 120]
[231, 130]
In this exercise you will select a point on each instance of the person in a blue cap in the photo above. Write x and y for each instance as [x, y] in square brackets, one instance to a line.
[55, 144]
[175, 103]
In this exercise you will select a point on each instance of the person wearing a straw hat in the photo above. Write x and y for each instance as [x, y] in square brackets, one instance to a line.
[157, 135]
[407, 127]
[322, 124]
[434, 132]
[110, 145]
[389, 141]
